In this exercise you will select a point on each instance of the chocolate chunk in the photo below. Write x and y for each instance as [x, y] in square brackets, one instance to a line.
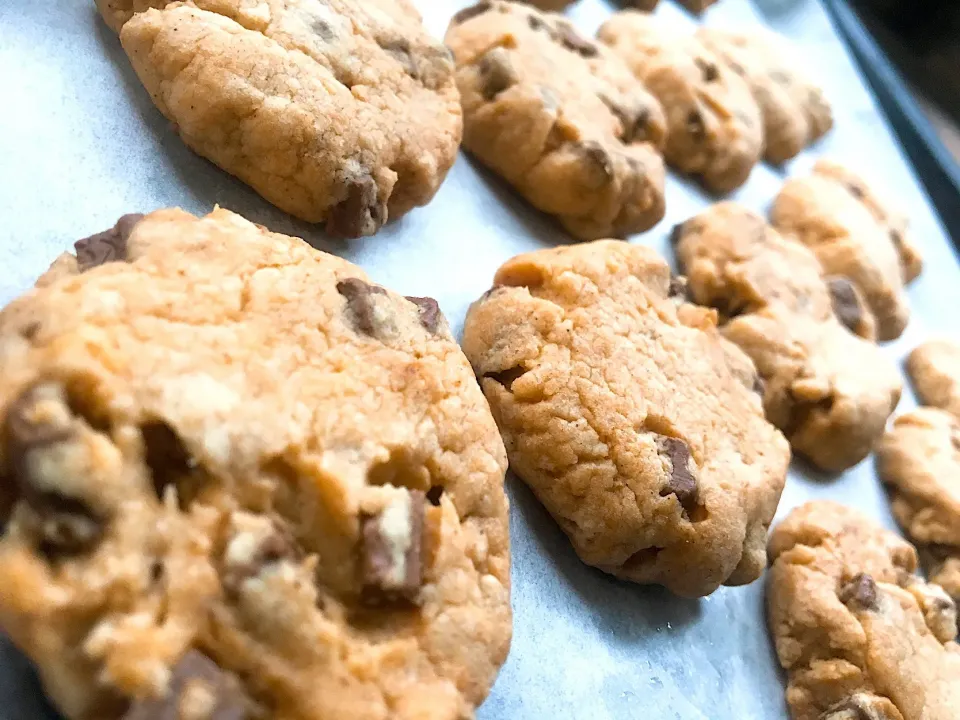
[709, 70]
[678, 287]
[633, 120]
[676, 233]
[862, 591]
[846, 304]
[361, 212]
[599, 164]
[64, 525]
[471, 12]
[682, 482]
[199, 688]
[108, 246]
[429, 312]
[696, 125]
[535, 22]
[855, 190]
[571, 40]
[391, 540]
[359, 305]
[399, 49]
[322, 29]
[496, 73]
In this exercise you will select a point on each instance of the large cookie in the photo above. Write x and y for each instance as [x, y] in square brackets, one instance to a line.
[829, 391]
[714, 127]
[919, 460]
[795, 112]
[338, 111]
[861, 636]
[560, 118]
[834, 213]
[230, 460]
[934, 369]
[631, 419]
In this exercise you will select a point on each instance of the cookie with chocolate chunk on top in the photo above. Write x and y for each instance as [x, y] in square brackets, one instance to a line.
[635, 424]
[240, 479]
[714, 126]
[859, 633]
[342, 113]
[560, 118]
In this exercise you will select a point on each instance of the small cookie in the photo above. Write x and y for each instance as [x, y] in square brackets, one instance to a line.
[858, 632]
[919, 460]
[339, 113]
[560, 118]
[829, 213]
[795, 113]
[934, 370]
[714, 127]
[236, 475]
[621, 408]
[829, 391]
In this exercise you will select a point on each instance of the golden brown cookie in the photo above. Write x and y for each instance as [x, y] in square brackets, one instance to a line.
[337, 111]
[234, 469]
[829, 391]
[714, 127]
[934, 370]
[560, 118]
[795, 112]
[919, 460]
[631, 419]
[829, 212]
[858, 632]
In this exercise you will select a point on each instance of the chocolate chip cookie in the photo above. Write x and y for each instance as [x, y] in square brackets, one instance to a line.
[341, 112]
[919, 460]
[560, 118]
[239, 477]
[714, 127]
[829, 391]
[632, 420]
[833, 212]
[934, 370]
[795, 112]
[858, 632]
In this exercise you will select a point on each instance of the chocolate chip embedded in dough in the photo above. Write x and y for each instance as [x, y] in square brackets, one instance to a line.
[633, 119]
[708, 70]
[108, 246]
[598, 164]
[429, 312]
[496, 72]
[681, 482]
[676, 233]
[572, 40]
[678, 287]
[391, 539]
[360, 306]
[471, 12]
[846, 304]
[361, 212]
[696, 126]
[861, 591]
[199, 689]
[399, 50]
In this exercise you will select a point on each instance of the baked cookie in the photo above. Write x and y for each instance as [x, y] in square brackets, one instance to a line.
[934, 370]
[828, 211]
[860, 635]
[239, 477]
[340, 112]
[795, 112]
[714, 127]
[829, 391]
[631, 419]
[560, 118]
[919, 460]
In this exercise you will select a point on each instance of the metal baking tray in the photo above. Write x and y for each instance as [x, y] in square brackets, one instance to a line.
[81, 144]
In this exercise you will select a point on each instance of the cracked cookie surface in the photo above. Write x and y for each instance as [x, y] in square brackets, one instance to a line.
[714, 127]
[934, 370]
[231, 460]
[858, 632]
[632, 420]
[829, 391]
[795, 112]
[837, 215]
[337, 111]
[919, 460]
[560, 118]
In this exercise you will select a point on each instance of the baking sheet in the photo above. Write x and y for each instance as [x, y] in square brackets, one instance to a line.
[81, 144]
